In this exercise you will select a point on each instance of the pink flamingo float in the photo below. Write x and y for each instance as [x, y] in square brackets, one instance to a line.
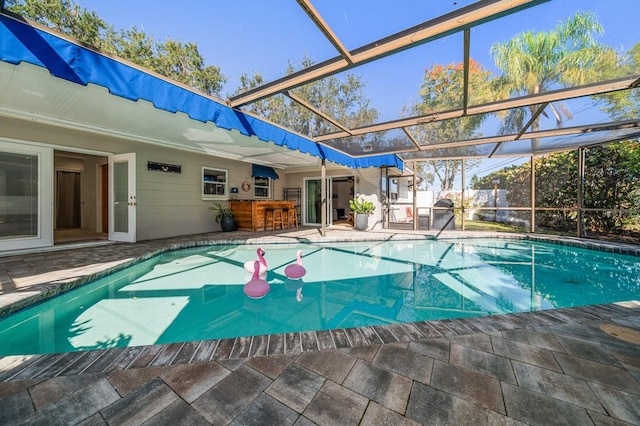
[257, 287]
[295, 271]
[249, 265]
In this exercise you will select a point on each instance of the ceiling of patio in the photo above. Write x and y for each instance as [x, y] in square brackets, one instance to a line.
[392, 47]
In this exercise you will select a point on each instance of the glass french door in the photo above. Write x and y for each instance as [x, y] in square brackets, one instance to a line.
[122, 197]
[313, 202]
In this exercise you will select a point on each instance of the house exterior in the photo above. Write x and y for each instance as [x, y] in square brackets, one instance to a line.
[89, 141]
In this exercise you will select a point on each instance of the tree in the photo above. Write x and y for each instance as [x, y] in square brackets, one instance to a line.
[611, 182]
[182, 62]
[64, 16]
[442, 90]
[342, 99]
[535, 62]
[133, 44]
[174, 59]
[624, 104]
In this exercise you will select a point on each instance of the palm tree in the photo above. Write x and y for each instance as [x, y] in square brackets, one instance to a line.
[535, 62]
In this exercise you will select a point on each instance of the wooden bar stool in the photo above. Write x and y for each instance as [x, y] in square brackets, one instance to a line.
[292, 218]
[276, 218]
[285, 217]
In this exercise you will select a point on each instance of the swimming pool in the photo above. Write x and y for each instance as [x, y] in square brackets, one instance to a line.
[197, 294]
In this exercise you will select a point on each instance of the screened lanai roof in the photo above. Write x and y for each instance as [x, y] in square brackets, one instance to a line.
[393, 60]
[389, 46]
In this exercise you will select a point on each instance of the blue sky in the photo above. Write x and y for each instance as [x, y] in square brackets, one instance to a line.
[264, 35]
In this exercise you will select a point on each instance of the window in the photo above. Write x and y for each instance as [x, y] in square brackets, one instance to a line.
[214, 183]
[261, 187]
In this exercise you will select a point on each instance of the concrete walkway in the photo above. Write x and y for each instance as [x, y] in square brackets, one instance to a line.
[569, 366]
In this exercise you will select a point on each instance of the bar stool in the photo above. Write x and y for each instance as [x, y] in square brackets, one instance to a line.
[285, 217]
[292, 218]
[276, 218]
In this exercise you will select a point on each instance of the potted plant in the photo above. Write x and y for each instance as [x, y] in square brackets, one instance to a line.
[223, 215]
[362, 209]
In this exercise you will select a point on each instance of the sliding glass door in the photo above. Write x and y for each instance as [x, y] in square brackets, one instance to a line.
[313, 202]
[26, 212]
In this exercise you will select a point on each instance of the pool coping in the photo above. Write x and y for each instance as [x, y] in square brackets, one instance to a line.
[40, 366]
[105, 361]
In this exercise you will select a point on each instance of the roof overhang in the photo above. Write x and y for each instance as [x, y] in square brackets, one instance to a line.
[47, 77]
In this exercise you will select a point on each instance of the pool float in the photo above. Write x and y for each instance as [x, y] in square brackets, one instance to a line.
[250, 264]
[296, 271]
[257, 287]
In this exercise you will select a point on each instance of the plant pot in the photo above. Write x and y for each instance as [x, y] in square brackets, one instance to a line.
[228, 223]
[362, 221]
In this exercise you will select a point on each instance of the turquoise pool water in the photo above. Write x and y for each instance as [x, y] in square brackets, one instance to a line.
[197, 294]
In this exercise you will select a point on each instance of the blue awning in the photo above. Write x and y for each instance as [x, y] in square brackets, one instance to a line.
[264, 172]
[20, 42]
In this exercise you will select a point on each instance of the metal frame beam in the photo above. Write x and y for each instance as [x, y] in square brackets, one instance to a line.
[449, 23]
[465, 84]
[324, 28]
[590, 128]
[533, 118]
[546, 97]
[411, 138]
[316, 111]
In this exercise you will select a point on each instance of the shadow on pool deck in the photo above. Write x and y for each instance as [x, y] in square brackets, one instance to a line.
[566, 366]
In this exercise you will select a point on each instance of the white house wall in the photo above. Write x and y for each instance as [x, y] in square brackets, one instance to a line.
[168, 204]
[368, 187]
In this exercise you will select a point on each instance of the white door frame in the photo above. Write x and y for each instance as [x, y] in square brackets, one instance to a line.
[44, 237]
[305, 196]
[125, 229]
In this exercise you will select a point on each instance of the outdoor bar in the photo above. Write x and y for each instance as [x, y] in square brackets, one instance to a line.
[251, 215]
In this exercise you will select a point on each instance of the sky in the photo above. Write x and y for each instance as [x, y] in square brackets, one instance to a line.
[247, 36]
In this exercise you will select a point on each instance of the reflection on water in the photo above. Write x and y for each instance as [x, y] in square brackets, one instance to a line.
[198, 294]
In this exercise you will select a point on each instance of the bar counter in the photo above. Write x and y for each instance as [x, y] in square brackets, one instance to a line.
[249, 214]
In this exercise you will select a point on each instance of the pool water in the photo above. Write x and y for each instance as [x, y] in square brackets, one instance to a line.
[197, 294]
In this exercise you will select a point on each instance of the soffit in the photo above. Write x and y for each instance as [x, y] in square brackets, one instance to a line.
[31, 92]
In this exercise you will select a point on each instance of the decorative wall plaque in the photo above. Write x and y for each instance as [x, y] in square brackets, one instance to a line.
[162, 167]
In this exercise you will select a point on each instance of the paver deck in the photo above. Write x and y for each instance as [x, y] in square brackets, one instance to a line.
[569, 366]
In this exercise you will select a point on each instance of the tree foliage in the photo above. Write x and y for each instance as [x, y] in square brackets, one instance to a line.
[64, 16]
[569, 55]
[343, 99]
[624, 104]
[612, 181]
[536, 62]
[171, 58]
[565, 56]
[443, 90]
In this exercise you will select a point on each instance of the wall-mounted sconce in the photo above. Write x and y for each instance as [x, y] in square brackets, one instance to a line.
[234, 193]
